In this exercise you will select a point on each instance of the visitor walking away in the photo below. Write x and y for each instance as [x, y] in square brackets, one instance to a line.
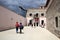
[17, 25]
[21, 27]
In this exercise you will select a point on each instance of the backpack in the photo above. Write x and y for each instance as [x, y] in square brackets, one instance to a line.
[21, 26]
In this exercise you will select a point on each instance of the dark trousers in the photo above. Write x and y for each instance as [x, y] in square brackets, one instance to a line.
[30, 24]
[37, 23]
[20, 30]
[16, 29]
[34, 24]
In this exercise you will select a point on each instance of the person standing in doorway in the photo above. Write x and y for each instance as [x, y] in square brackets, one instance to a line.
[17, 25]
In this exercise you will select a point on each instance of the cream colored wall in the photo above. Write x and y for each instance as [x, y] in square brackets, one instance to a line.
[34, 11]
[8, 18]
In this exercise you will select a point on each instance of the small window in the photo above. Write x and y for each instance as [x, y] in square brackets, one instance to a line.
[30, 14]
[42, 14]
[56, 20]
[36, 14]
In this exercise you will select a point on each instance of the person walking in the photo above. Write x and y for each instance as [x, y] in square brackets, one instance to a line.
[17, 25]
[21, 27]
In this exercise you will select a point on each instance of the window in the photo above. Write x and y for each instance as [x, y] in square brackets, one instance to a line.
[42, 14]
[36, 14]
[30, 14]
[56, 20]
[30, 21]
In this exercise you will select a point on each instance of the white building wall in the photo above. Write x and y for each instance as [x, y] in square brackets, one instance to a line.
[9, 18]
[34, 11]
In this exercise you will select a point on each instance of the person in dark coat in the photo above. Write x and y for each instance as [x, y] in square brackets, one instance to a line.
[21, 27]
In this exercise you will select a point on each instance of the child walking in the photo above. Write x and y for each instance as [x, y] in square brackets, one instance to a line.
[17, 25]
[21, 27]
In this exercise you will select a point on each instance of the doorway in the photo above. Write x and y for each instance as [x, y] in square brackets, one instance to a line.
[36, 20]
[43, 22]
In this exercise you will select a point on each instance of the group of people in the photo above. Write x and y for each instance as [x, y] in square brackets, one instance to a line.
[19, 26]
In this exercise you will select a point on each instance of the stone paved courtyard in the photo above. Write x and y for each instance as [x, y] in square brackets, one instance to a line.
[30, 33]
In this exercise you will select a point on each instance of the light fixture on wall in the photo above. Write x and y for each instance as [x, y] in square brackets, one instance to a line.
[56, 20]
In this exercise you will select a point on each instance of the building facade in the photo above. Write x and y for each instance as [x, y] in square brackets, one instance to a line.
[35, 16]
